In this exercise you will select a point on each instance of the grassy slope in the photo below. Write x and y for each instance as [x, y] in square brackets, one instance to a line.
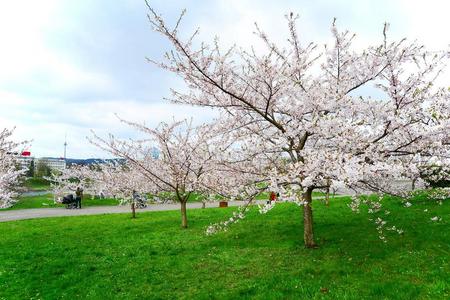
[37, 184]
[46, 201]
[262, 257]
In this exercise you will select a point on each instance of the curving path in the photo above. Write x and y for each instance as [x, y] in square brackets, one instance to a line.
[33, 213]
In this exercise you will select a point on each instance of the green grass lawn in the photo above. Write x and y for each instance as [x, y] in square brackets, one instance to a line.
[37, 184]
[46, 201]
[195, 197]
[261, 257]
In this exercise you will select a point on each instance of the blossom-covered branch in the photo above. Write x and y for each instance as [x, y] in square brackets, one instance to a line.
[10, 171]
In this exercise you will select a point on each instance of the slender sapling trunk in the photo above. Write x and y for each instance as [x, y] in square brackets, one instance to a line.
[183, 214]
[308, 234]
[133, 210]
[327, 195]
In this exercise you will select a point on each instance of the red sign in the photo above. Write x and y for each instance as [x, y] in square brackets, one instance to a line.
[26, 153]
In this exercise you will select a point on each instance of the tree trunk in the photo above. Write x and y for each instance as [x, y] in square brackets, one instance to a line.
[203, 204]
[133, 210]
[183, 215]
[308, 234]
[327, 195]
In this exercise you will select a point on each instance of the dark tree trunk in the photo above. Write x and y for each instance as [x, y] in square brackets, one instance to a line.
[327, 195]
[183, 215]
[133, 210]
[308, 234]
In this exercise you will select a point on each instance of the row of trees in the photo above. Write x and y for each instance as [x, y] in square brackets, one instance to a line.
[191, 161]
[293, 119]
[38, 170]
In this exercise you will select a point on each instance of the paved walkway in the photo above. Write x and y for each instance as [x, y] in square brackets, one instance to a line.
[33, 213]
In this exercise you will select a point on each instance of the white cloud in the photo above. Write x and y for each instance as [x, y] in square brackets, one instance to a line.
[427, 21]
[25, 56]
[21, 27]
[47, 121]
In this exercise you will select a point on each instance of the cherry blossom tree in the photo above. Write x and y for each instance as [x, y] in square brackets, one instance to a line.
[69, 179]
[10, 171]
[185, 157]
[122, 180]
[306, 107]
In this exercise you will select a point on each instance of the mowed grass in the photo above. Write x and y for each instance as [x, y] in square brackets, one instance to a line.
[196, 197]
[261, 257]
[46, 201]
[37, 184]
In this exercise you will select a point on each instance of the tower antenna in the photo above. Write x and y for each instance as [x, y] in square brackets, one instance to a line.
[65, 146]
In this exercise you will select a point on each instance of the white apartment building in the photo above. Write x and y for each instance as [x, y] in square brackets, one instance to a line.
[58, 164]
[54, 163]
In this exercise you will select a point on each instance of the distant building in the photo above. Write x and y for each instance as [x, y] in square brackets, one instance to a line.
[58, 164]
[25, 160]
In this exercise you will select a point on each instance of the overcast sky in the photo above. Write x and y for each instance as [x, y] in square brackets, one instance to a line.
[70, 66]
